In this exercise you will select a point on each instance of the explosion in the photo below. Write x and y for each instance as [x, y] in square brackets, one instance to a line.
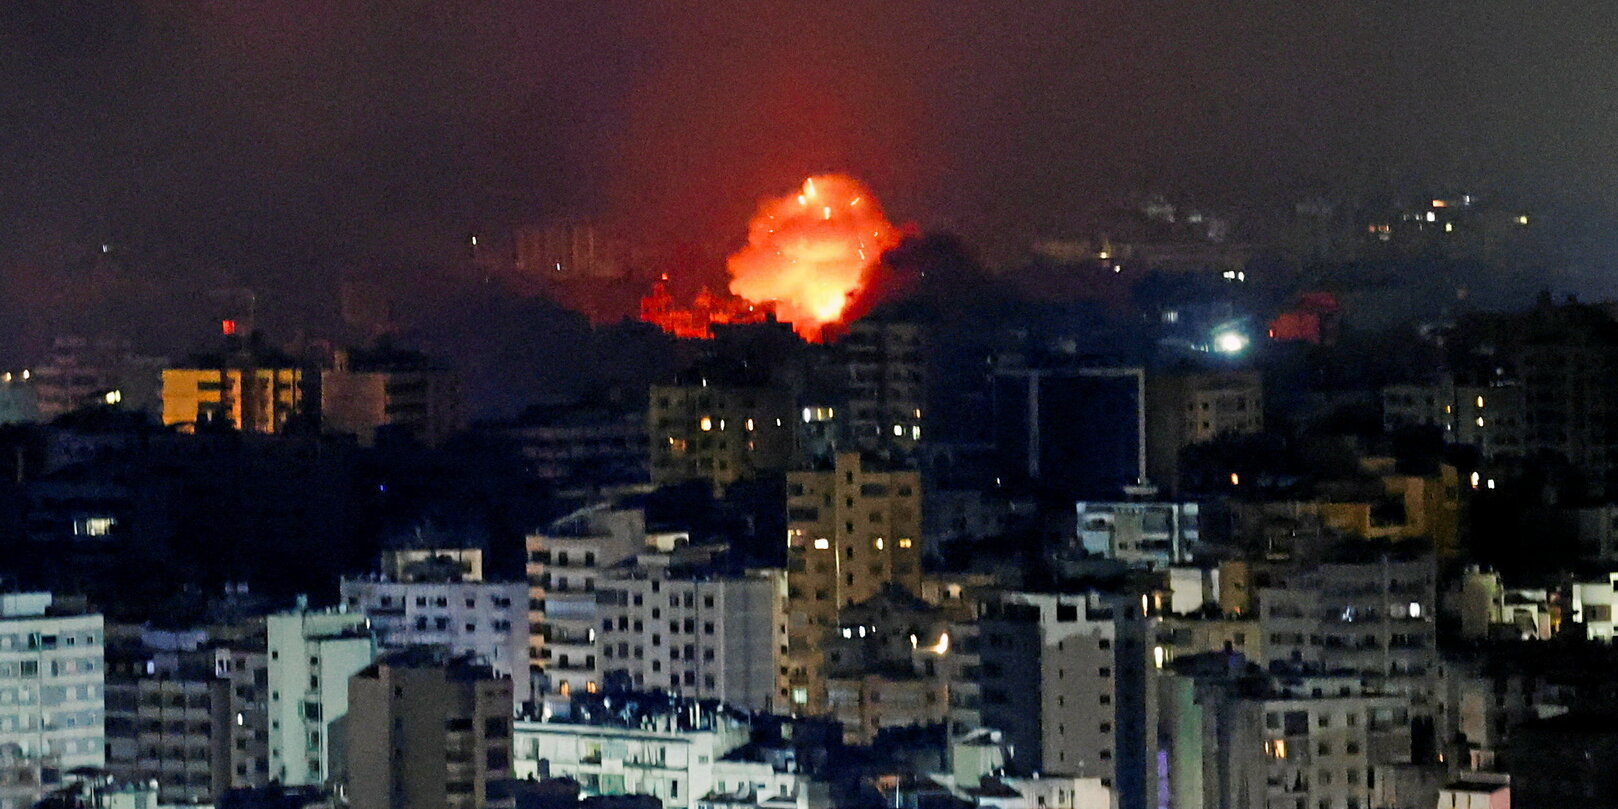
[808, 253]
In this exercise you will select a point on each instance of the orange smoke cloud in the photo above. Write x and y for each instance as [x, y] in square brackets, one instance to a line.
[808, 253]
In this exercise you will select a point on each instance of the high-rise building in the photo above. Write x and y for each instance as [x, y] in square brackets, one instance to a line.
[884, 382]
[566, 563]
[892, 662]
[1071, 681]
[1078, 432]
[1234, 738]
[426, 731]
[691, 631]
[186, 711]
[853, 529]
[52, 681]
[1372, 616]
[312, 654]
[706, 429]
[1195, 407]
[580, 445]
[1564, 361]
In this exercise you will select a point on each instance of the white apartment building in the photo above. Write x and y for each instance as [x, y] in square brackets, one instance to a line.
[709, 637]
[312, 655]
[683, 768]
[1593, 606]
[488, 620]
[52, 690]
[566, 562]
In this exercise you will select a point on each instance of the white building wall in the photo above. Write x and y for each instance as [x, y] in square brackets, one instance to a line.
[52, 696]
[312, 655]
[677, 767]
[708, 638]
[488, 620]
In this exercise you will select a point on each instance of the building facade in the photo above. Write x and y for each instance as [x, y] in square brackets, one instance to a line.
[312, 653]
[692, 633]
[52, 695]
[1071, 681]
[428, 731]
[487, 621]
[852, 530]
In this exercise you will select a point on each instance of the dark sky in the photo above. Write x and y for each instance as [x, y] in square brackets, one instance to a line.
[278, 143]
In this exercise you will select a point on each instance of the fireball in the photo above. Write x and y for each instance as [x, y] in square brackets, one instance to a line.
[808, 252]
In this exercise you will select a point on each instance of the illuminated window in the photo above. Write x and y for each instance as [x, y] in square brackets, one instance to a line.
[706, 424]
[822, 544]
[905, 543]
[880, 544]
[93, 526]
[1276, 748]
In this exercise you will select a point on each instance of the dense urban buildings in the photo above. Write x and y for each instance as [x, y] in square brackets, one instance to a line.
[478, 408]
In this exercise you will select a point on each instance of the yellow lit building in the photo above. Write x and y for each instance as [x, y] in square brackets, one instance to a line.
[851, 530]
[1412, 506]
[250, 399]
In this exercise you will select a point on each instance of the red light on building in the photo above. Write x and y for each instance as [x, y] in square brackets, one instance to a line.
[227, 327]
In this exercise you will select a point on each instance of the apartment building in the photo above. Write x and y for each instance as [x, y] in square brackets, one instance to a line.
[52, 682]
[428, 730]
[853, 529]
[312, 653]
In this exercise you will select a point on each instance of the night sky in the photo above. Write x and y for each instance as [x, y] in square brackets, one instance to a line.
[279, 144]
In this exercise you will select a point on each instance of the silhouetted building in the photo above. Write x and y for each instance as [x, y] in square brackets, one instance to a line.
[1077, 432]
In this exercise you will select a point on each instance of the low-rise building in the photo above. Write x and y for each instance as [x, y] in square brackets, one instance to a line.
[685, 756]
[1145, 534]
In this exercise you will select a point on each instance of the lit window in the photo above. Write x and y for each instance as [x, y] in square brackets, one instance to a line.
[822, 544]
[905, 543]
[706, 424]
[880, 543]
[93, 526]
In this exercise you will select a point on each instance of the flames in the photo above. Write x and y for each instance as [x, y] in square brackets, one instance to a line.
[808, 253]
